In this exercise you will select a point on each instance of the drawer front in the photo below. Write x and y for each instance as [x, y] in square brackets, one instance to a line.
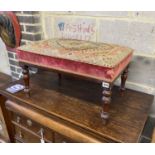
[20, 118]
[23, 136]
[33, 128]
[27, 130]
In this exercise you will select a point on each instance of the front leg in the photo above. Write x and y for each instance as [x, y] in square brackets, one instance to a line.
[123, 79]
[106, 98]
[26, 78]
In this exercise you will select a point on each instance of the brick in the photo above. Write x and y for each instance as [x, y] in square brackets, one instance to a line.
[22, 43]
[75, 28]
[28, 19]
[102, 13]
[31, 37]
[32, 28]
[137, 35]
[13, 62]
[19, 70]
[11, 50]
[11, 55]
[16, 75]
[22, 27]
[16, 57]
[13, 68]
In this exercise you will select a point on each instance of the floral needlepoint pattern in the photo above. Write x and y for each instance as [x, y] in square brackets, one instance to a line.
[100, 54]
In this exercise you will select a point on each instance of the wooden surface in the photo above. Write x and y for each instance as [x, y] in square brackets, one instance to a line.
[77, 103]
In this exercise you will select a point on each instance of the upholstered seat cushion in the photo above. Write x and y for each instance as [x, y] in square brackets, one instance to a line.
[96, 60]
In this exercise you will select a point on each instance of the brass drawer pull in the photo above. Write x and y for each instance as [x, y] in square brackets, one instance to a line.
[18, 119]
[29, 122]
[41, 132]
[20, 134]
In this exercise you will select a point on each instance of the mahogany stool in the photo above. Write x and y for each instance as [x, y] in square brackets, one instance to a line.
[99, 61]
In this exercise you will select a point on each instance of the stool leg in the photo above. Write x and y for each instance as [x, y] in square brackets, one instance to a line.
[123, 79]
[26, 79]
[106, 98]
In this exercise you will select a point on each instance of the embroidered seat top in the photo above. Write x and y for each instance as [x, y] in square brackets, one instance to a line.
[100, 54]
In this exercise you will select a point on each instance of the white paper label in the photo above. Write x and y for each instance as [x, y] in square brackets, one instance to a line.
[15, 88]
[105, 84]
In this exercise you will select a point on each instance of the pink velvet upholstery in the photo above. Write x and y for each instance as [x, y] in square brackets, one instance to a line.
[92, 70]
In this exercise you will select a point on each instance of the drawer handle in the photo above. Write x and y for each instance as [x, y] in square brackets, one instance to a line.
[41, 132]
[20, 134]
[18, 119]
[29, 122]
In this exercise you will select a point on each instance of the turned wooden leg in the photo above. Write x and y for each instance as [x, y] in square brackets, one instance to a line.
[123, 80]
[106, 101]
[26, 79]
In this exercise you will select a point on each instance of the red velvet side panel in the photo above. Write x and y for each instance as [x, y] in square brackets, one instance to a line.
[97, 72]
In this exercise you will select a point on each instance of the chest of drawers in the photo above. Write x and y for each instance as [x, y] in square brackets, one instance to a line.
[28, 131]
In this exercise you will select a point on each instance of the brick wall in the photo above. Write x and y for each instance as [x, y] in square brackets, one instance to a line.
[31, 31]
[133, 29]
